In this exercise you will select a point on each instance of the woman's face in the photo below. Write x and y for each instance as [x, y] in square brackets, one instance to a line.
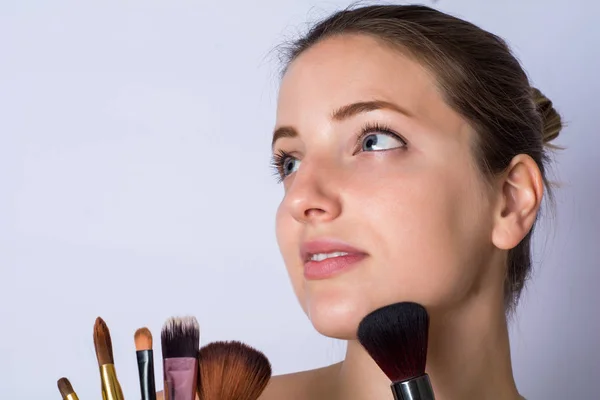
[379, 176]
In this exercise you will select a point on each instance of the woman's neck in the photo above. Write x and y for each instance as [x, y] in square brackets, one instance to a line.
[468, 358]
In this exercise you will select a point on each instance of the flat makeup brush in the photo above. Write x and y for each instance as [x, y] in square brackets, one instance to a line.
[180, 339]
[66, 390]
[396, 336]
[111, 389]
[145, 359]
[232, 371]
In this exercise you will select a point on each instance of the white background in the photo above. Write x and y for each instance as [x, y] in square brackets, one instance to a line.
[135, 185]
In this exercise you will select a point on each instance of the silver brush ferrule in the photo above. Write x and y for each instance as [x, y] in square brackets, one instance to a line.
[413, 389]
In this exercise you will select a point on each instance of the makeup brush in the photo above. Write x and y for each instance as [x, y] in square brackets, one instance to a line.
[145, 359]
[66, 390]
[180, 339]
[232, 371]
[111, 389]
[395, 336]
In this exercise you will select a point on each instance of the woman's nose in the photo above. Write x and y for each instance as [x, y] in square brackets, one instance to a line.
[312, 196]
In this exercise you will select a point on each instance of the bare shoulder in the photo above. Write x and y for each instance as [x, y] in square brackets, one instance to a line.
[314, 384]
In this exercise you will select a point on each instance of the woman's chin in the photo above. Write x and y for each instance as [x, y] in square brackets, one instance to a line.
[337, 308]
[336, 316]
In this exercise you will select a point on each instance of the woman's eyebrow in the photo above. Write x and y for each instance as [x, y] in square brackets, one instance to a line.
[351, 110]
[343, 113]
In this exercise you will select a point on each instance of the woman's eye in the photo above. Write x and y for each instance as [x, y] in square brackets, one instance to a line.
[381, 141]
[284, 164]
[289, 165]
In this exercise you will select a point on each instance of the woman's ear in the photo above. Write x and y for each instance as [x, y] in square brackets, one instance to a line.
[519, 200]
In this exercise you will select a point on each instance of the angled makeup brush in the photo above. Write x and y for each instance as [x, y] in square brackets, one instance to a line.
[180, 339]
[66, 390]
[145, 359]
[232, 371]
[396, 336]
[111, 389]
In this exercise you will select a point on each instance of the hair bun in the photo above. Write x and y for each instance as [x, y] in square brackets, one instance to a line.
[551, 120]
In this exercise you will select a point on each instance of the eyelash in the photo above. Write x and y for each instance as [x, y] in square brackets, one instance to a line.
[277, 162]
[281, 156]
[380, 128]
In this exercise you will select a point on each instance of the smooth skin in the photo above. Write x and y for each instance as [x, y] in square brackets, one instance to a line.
[412, 197]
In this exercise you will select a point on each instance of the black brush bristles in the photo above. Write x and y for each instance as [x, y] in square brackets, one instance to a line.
[396, 336]
[180, 337]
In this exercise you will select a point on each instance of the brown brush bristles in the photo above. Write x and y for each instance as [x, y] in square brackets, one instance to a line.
[64, 387]
[143, 339]
[232, 371]
[102, 343]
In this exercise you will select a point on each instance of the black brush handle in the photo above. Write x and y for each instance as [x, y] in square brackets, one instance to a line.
[413, 389]
[145, 360]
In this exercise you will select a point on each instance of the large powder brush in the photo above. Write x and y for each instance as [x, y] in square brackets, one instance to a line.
[396, 337]
[232, 371]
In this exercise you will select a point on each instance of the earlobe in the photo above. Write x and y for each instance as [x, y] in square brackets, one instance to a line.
[520, 197]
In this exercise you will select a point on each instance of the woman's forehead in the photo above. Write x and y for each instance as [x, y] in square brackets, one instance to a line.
[340, 70]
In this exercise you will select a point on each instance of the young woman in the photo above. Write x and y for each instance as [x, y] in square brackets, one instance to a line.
[411, 147]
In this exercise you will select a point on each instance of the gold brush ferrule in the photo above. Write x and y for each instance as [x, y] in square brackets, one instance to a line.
[111, 390]
[72, 396]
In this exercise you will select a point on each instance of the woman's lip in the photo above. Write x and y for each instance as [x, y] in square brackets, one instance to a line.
[326, 246]
[328, 267]
[314, 270]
